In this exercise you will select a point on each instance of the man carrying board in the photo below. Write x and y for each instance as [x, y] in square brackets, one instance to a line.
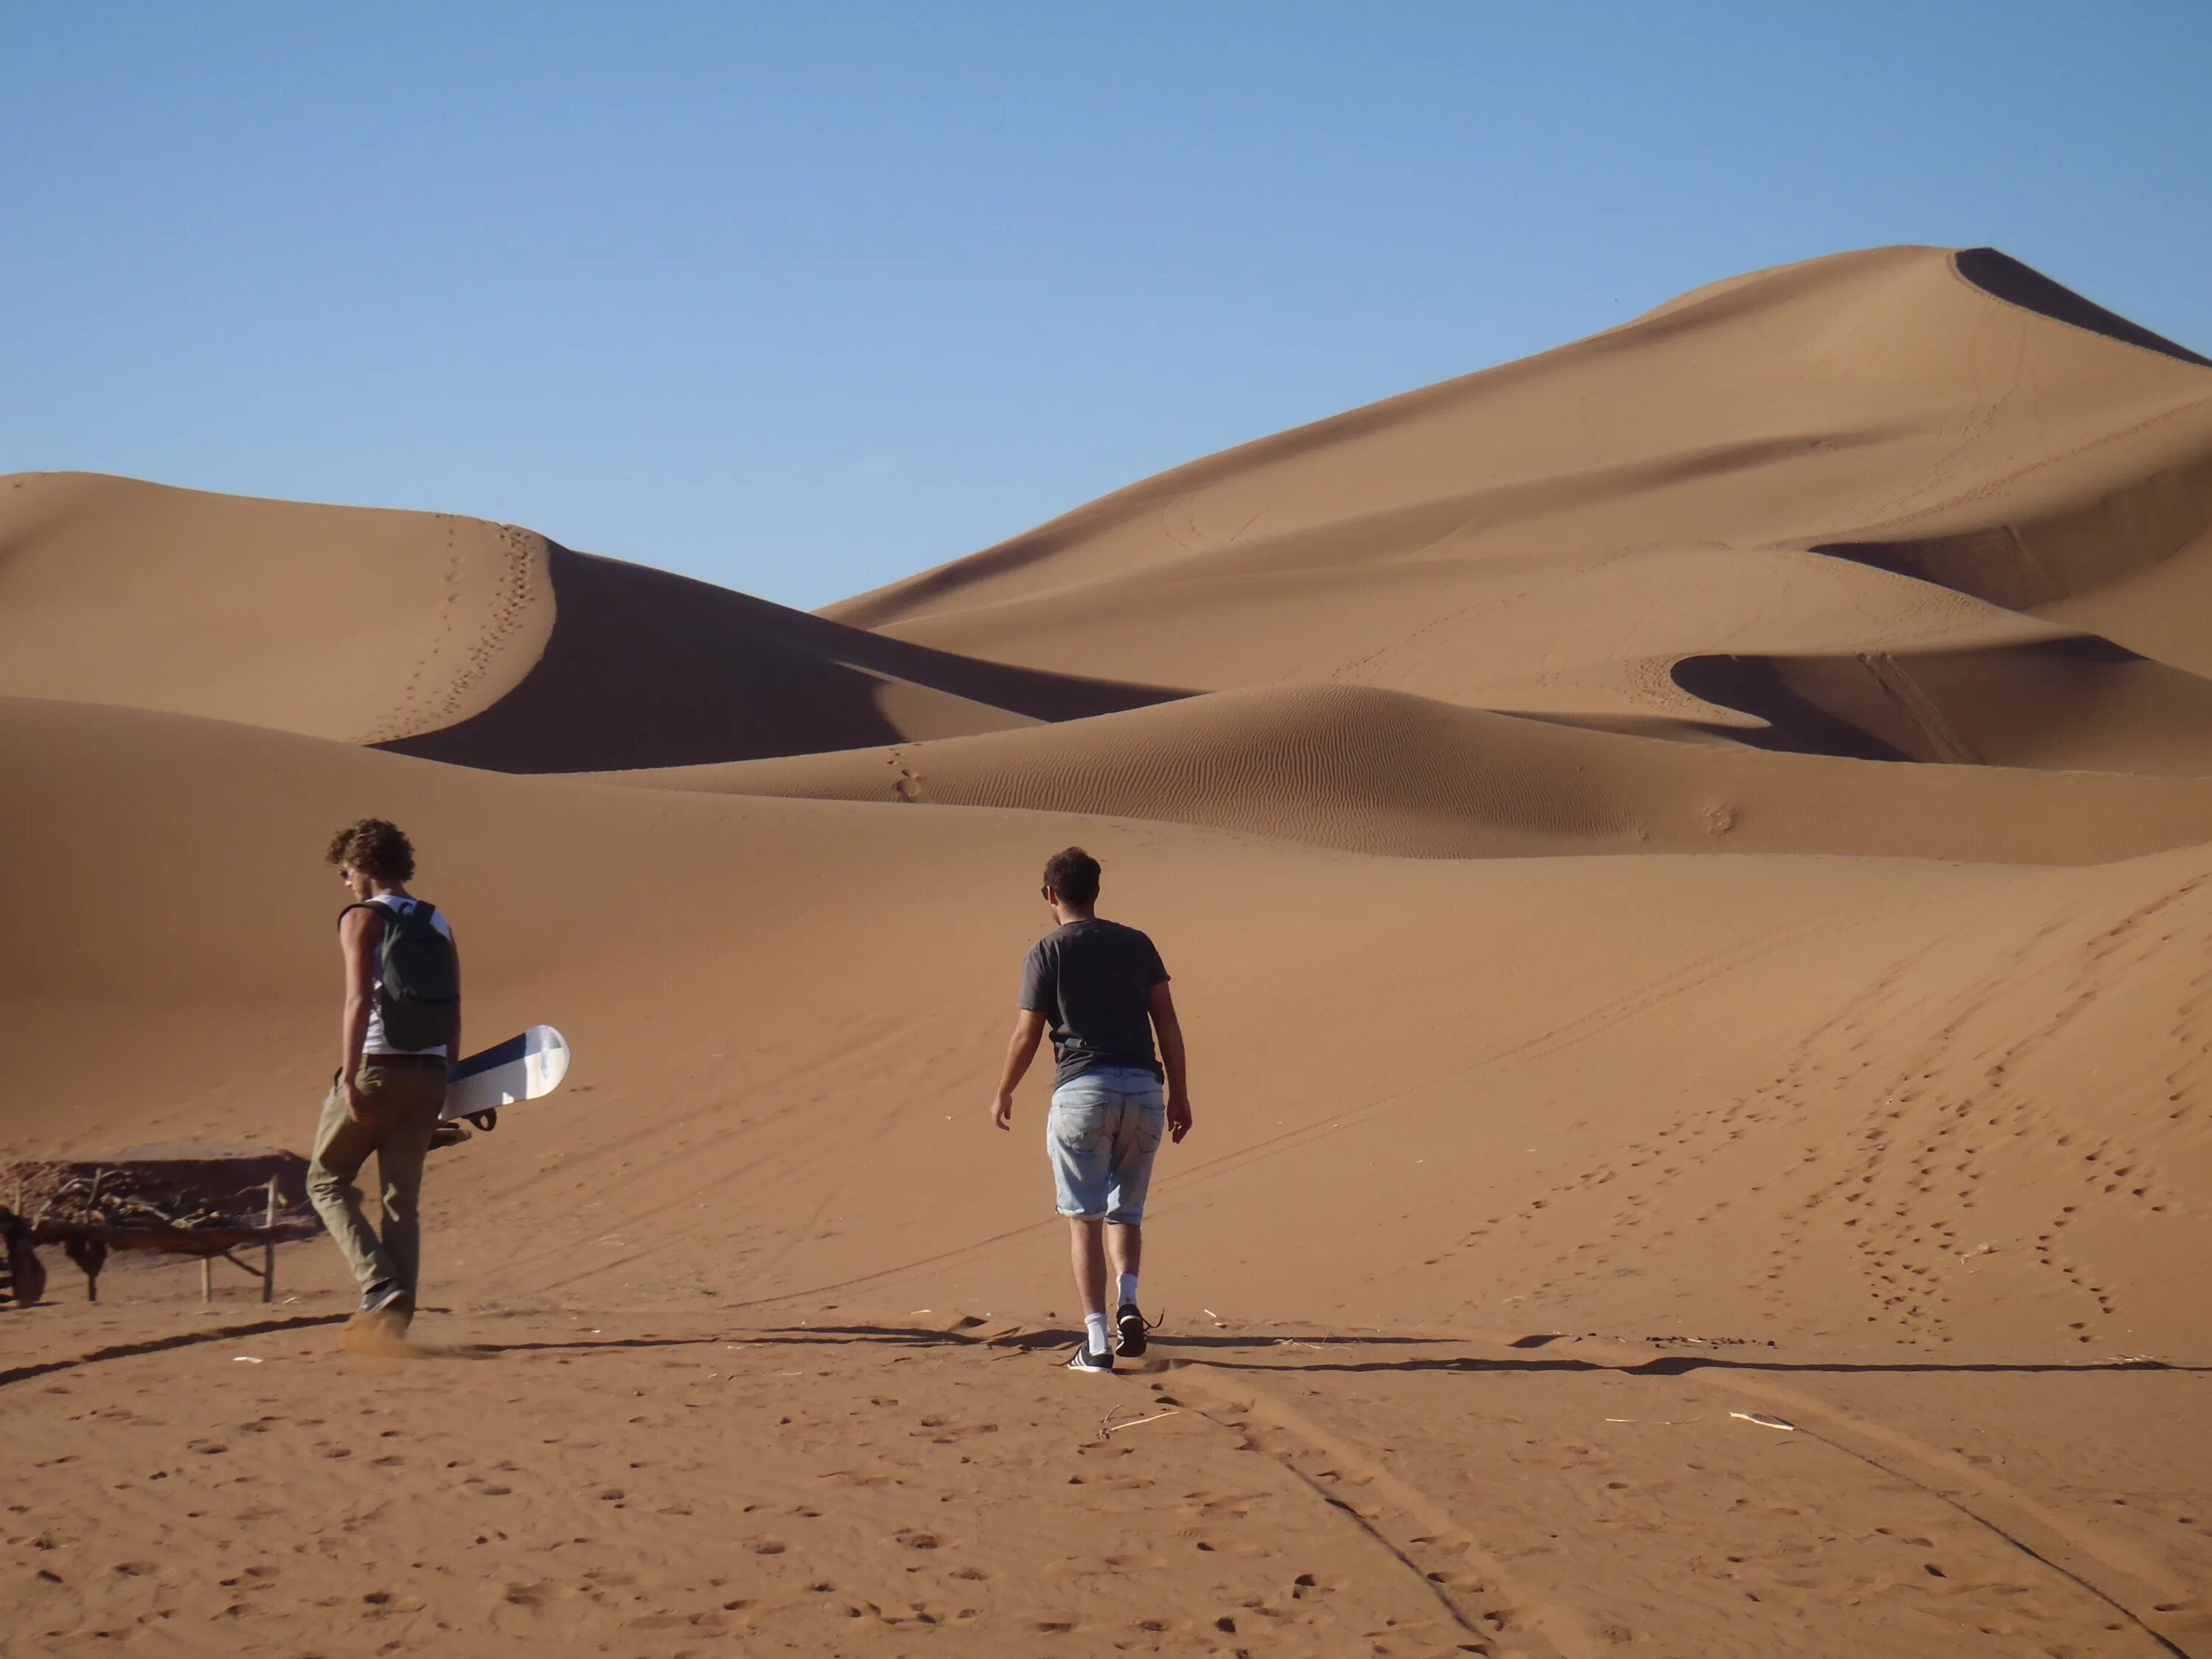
[1103, 991]
[401, 1024]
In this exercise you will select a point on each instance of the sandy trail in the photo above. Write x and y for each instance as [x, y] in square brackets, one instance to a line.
[885, 1483]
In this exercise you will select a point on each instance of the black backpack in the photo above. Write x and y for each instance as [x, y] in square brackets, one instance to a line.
[418, 978]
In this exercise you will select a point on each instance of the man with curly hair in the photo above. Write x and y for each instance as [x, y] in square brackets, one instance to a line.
[391, 1082]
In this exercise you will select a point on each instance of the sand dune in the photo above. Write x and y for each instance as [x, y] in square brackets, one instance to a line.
[645, 668]
[2007, 278]
[1876, 387]
[134, 593]
[2152, 612]
[485, 645]
[1381, 771]
[1659, 484]
[2078, 702]
[1770, 1237]
[1906, 453]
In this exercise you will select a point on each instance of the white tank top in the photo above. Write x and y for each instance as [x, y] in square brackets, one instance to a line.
[374, 1043]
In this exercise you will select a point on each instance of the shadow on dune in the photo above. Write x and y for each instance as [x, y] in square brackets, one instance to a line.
[1795, 724]
[2003, 277]
[2077, 703]
[645, 668]
[2085, 546]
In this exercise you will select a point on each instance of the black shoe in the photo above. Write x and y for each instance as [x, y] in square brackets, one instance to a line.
[1083, 1360]
[378, 1297]
[1129, 1328]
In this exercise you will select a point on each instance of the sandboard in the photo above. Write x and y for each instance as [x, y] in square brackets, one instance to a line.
[525, 1068]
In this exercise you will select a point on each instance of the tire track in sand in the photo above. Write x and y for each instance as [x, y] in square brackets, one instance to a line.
[1441, 1553]
[1941, 1474]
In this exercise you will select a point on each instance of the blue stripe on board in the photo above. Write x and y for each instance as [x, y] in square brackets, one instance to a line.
[499, 1055]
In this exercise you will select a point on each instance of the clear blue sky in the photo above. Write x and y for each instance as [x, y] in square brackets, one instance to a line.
[804, 298]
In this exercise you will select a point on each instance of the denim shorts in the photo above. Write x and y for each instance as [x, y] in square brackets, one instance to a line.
[1104, 1129]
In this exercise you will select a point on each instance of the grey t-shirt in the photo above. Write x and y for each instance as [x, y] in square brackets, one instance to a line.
[1093, 980]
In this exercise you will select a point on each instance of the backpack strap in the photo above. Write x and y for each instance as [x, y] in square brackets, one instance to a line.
[386, 917]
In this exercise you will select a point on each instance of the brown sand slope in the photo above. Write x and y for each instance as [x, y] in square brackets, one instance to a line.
[114, 591]
[1898, 1151]
[1377, 771]
[2075, 702]
[645, 668]
[2157, 612]
[482, 644]
[1552, 535]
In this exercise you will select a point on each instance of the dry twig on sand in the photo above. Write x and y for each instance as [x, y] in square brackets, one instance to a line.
[1107, 1426]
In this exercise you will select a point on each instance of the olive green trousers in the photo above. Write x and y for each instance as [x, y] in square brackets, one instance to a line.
[403, 1103]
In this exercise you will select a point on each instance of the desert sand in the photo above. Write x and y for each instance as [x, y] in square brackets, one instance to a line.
[1777, 1235]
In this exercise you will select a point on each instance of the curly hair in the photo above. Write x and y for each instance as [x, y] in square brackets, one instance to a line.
[1073, 874]
[376, 847]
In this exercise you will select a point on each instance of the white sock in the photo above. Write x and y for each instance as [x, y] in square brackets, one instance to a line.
[1094, 1325]
[1128, 1287]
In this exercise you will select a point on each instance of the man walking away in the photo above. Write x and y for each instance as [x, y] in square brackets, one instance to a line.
[1103, 991]
[402, 1023]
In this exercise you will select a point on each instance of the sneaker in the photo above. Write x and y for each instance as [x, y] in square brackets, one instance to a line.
[1129, 1328]
[1095, 1364]
[381, 1297]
